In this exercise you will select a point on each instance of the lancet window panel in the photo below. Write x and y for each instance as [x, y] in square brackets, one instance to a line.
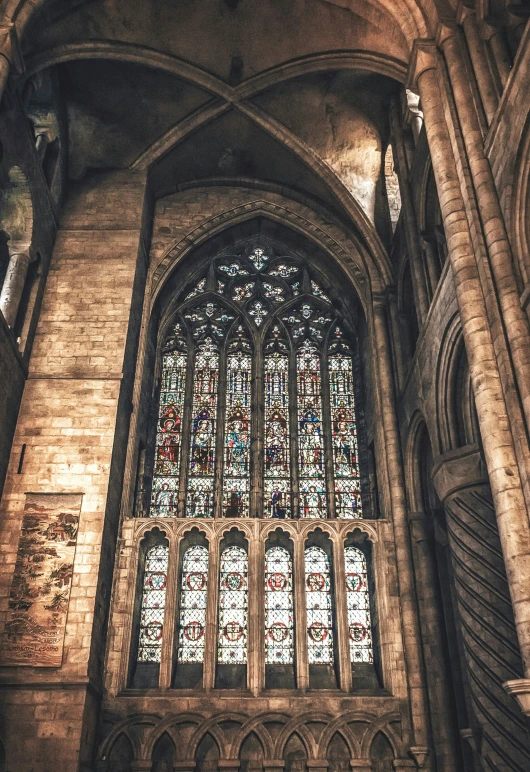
[200, 489]
[310, 433]
[192, 606]
[344, 434]
[358, 602]
[153, 604]
[164, 498]
[319, 607]
[236, 472]
[242, 386]
[233, 607]
[279, 611]
[277, 483]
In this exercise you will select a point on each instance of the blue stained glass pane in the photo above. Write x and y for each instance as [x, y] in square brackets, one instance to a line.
[153, 605]
[279, 625]
[233, 607]
[318, 607]
[192, 610]
[164, 498]
[199, 499]
[345, 463]
[358, 601]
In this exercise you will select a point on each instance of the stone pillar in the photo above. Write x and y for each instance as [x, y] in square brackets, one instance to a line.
[499, 50]
[415, 114]
[436, 672]
[397, 339]
[516, 325]
[10, 55]
[483, 598]
[421, 296]
[477, 52]
[411, 628]
[503, 469]
[431, 261]
[13, 286]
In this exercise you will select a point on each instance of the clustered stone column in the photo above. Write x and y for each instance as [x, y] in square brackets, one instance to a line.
[485, 610]
[497, 419]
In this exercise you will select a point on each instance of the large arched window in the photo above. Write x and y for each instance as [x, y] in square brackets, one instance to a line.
[256, 409]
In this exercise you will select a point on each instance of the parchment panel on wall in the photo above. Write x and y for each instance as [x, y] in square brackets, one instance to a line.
[40, 592]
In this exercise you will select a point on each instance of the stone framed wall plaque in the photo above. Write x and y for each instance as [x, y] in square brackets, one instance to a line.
[40, 591]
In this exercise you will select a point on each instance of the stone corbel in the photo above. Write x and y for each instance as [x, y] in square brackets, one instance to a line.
[419, 753]
[424, 57]
[520, 689]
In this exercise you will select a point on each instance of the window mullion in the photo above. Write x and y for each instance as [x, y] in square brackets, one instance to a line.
[186, 431]
[328, 436]
[302, 666]
[341, 617]
[220, 435]
[171, 611]
[210, 641]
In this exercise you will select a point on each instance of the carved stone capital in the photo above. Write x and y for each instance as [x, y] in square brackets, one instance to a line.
[520, 689]
[458, 470]
[419, 753]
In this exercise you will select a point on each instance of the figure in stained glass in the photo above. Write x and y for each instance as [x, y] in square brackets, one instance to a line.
[202, 450]
[236, 472]
[313, 499]
[345, 463]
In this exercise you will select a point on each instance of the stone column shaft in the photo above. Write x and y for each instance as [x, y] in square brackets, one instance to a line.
[444, 739]
[13, 287]
[477, 52]
[500, 52]
[501, 461]
[409, 216]
[411, 628]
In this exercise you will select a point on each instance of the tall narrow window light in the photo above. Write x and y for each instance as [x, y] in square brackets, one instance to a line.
[153, 604]
[277, 483]
[345, 465]
[310, 438]
[236, 472]
[233, 607]
[199, 500]
[358, 600]
[192, 622]
[279, 626]
[164, 498]
[319, 607]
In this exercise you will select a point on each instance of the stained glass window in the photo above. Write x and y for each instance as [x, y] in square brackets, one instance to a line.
[279, 625]
[256, 316]
[277, 482]
[233, 607]
[153, 604]
[236, 472]
[164, 498]
[192, 622]
[310, 437]
[358, 600]
[199, 498]
[345, 465]
[319, 607]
